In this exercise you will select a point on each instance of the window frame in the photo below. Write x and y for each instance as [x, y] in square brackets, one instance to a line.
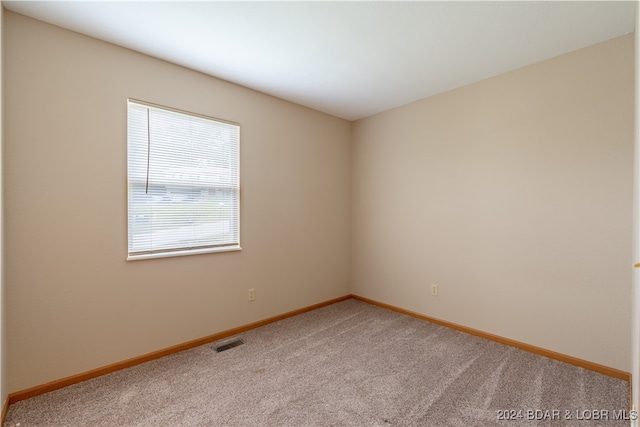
[176, 251]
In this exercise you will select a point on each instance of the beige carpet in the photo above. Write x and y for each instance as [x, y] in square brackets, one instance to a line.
[348, 364]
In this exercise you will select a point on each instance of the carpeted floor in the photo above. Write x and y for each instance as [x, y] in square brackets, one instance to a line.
[348, 364]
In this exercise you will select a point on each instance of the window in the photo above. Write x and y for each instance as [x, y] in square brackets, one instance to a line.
[183, 183]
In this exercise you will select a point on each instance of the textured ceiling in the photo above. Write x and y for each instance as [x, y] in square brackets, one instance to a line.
[349, 59]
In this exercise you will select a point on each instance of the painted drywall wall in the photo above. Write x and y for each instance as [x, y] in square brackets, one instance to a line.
[514, 195]
[3, 324]
[74, 303]
[635, 289]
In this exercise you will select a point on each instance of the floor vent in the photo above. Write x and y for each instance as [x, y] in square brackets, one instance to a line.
[229, 345]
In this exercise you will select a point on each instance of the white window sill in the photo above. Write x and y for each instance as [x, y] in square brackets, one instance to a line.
[183, 253]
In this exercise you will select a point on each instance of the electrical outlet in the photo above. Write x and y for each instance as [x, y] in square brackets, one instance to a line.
[434, 290]
[251, 294]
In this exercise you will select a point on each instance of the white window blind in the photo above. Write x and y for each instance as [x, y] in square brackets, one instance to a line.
[183, 183]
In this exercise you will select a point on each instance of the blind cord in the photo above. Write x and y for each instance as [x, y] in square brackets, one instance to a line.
[146, 190]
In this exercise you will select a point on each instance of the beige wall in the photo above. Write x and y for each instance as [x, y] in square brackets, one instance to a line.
[514, 195]
[3, 324]
[74, 303]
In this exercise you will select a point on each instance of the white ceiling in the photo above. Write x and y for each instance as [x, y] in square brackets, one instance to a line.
[349, 59]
